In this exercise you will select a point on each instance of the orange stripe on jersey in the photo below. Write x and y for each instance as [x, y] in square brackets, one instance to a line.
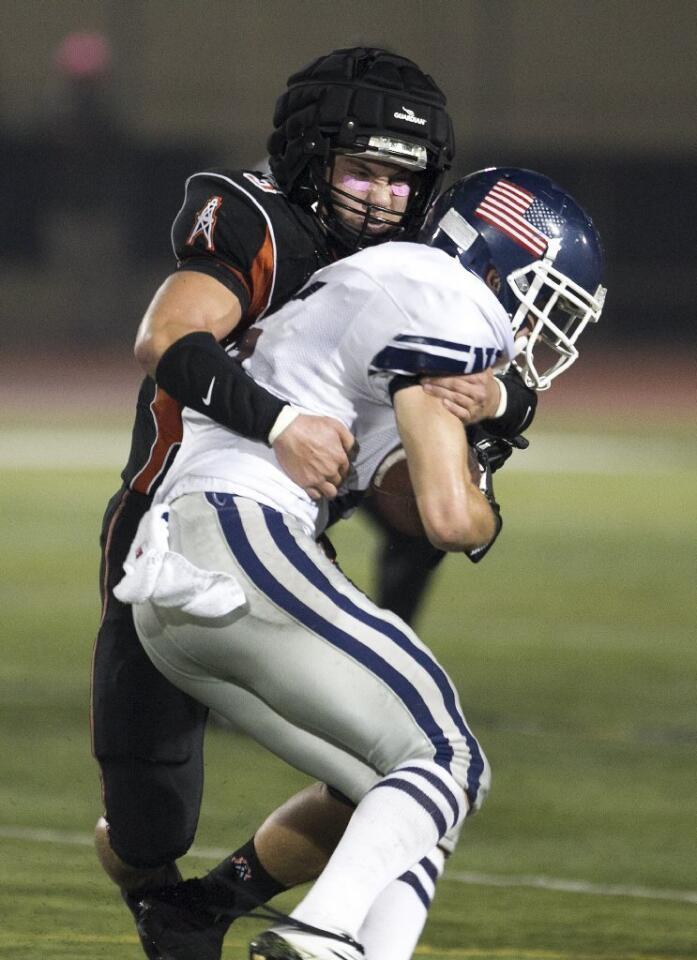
[261, 276]
[167, 414]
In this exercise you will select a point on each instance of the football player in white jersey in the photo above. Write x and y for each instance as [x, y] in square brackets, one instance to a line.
[362, 328]
[238, 606]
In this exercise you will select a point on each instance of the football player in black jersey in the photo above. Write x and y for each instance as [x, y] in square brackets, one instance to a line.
[361, 143]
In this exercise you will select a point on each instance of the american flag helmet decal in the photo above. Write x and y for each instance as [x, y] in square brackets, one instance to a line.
[517, 213]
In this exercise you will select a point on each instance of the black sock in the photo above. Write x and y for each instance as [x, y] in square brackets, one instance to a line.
[240, 881]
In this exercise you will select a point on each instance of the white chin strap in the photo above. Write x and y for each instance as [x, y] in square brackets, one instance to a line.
[575, 309]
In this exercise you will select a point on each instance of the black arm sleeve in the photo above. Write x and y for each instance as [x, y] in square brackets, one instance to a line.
[221, 272]
[197, 372]
[520, 408]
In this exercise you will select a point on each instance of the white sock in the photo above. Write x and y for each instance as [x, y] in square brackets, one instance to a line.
[397, 917]
[395, 825]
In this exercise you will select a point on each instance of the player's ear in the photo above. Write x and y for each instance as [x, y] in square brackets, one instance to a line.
[492, 278]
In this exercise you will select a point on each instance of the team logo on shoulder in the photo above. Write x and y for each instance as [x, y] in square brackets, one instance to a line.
[267, 184]
[204, 224]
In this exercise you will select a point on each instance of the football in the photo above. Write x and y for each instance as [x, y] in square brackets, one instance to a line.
[393, 496]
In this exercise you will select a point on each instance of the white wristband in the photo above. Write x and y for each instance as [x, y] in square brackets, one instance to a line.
[283, 420]
[503, 402]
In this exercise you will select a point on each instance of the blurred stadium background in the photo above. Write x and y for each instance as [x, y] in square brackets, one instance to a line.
[97, 132]
[573, 645]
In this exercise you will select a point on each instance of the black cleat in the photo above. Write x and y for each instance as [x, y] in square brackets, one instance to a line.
[175, 923]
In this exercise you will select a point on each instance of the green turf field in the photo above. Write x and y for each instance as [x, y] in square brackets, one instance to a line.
[573, 646]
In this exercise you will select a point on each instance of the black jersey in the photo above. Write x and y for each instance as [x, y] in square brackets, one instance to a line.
[238, 227]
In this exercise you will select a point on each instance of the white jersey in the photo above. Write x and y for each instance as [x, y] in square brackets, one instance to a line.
[396, 310]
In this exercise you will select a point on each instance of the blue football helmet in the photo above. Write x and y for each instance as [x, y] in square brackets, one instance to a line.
[537, 250]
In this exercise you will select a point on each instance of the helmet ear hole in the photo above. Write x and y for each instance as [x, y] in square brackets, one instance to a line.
[492, 278]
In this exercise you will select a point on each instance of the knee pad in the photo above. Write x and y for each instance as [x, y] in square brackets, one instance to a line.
[152, 809]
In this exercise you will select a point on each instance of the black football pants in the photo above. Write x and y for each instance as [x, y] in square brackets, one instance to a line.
[147, 736]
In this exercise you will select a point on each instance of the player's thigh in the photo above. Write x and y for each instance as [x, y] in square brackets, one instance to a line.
[312, 753]
[135, 711]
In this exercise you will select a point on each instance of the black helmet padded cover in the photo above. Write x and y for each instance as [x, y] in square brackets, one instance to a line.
[342, 99]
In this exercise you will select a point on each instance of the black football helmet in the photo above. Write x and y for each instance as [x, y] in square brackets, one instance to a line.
[545, 252]
[368, 102]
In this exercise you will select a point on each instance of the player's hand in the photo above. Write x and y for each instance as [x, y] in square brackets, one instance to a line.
[314, 451]
[470, 397]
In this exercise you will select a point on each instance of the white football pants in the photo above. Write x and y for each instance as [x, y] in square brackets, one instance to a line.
[308, 666]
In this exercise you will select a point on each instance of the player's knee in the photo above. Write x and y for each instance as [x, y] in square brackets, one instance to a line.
[152, 810]
[125, 875]
[462, 756]
[147, 847]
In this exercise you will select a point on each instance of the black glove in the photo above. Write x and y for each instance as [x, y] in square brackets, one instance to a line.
[495, 450]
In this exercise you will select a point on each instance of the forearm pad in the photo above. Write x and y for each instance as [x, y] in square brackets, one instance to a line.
[188, 368]
[520, 407]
